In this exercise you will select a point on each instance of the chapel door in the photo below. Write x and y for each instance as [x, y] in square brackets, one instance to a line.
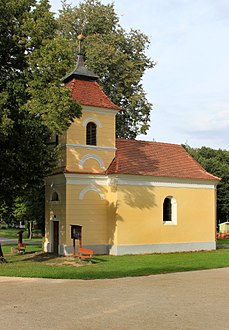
[55, 236]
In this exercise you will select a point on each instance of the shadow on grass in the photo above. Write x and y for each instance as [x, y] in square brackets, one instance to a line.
[41, 257]
[30, 256]
[222, 246]
[97, 260]
[46, 257]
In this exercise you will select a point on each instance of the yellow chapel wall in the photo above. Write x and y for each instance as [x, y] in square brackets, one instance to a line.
[112, 214]
[140, 213]
[87, 208]
[94, 207]
[91, 210]
[86, 158]
[77, 131]
[55, 210]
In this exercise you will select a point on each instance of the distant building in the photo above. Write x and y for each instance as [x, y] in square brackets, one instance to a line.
[224, 227]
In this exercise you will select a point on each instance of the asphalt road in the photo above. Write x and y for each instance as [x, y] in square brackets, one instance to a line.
[191, 300]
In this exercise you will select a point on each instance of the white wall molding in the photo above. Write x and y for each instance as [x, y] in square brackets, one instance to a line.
[92, 119]
[91, 188]
[87, 179]
[91, 156]
[164, 182]
[89, 147]
[131, 180]
[104, 111]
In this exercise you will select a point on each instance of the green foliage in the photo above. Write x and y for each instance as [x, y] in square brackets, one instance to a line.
[216, 162]
[29, 206]
[116, 56]
[33, 102]
[36, 51]
[20, 209]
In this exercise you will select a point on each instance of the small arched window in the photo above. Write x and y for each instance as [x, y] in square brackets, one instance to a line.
[91, 134]
[55, 197]
[169, 210]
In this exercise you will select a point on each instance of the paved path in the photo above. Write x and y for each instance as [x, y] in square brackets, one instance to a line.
[192, 300]
[8, 241]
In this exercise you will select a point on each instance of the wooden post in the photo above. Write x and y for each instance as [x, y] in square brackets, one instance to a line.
[20, 233]
[74, 247]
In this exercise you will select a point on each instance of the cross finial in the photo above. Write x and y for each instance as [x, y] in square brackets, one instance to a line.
[80, 37]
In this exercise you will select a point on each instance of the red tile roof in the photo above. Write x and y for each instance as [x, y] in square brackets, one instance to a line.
[90, 93]
[156, 159]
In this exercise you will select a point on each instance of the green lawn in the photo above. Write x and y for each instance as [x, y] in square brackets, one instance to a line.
[11, 233]
[33, 248]
[222, 241]
[33, 264]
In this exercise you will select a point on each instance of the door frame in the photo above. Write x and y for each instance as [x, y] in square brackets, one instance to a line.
[53, 223]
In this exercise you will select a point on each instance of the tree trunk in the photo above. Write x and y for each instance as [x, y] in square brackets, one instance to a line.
[2, 259]
[31, 230]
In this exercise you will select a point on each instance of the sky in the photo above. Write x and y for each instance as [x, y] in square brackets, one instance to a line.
[189, 40]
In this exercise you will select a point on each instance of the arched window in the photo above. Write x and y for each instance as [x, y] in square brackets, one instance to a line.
[169, 210]
[91, 134]
[55, 197]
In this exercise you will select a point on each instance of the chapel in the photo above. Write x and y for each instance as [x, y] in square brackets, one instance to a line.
[126, 196]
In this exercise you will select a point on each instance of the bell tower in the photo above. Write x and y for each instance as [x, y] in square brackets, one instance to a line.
[87, 149]
[90, 141]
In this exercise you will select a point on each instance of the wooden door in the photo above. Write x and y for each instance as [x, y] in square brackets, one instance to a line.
[55, 236]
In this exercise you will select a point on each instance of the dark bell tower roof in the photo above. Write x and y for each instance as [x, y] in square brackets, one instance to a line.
[84, 86]
[80, 72]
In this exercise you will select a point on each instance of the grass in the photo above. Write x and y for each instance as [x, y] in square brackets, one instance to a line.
[11, 233]
[36, 264]
[30, 249]
[222, 241]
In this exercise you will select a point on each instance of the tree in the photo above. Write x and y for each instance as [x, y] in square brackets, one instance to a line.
[217, 163]
[36, 51]
[29, 207]
[33, 102]
[117, 57]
